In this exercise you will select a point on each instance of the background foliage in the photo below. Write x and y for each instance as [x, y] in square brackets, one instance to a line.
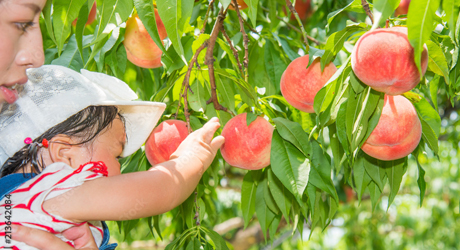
[316, 158]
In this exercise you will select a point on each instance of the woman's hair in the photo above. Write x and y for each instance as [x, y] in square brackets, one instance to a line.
[84, 125]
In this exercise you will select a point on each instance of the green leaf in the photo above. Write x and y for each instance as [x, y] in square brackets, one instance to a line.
[382, 10]
[175, 14]
[320, 172]
[434, 87]
[47, 11]
[64, 12]
[225, 3]
[335, 42]
[426, 112]
[113, 12]
[146, 13]
[357, 85]
[70, 57]
[264, 214]
[219, 242]
[342, 128]
[81, 24]
[283, 198]
[293, 132]
[289, 165]
[252, 10]
[451, 9]
[250, 117]
[420, 24]
[286, 48]
[248, 197]
[429, 136]
[274, 65]
[268, 197]
[372, 167]
[361, 178]
[154, 223]
[395, 171]
[437, 60]
[375, 194]
[226, 91]
[196, 98]
[332, 15]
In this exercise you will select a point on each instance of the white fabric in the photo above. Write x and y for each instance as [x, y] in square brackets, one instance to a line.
[55, 180]
[54, 93]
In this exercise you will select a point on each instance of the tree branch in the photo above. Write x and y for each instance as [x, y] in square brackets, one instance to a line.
[206, 17]
[209, 59]
[304, 33]
[245, 41]
[235, 52]
[365, 5]
[186, 85]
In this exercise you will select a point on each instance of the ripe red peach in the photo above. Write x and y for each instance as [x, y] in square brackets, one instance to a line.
[384, 60]
[300, 84]
[403, 8]
[398, 131]
[164, 140]
[303, 9]
[247, 147]
[91, 16]
[141, 50]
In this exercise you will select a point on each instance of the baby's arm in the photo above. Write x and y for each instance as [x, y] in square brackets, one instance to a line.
[146, 193]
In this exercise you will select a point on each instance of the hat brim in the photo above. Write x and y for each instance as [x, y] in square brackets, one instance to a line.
[141, 118]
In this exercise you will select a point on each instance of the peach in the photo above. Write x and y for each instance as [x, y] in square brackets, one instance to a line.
[384, 60]
[300, 84]
[141, 50]
[303, 9]
[403, 8]
[91, 16]
[398, 131]
[247, 147]
[241, 5]
[164, 140]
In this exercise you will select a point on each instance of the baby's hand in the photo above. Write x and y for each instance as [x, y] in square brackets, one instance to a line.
[200, 145]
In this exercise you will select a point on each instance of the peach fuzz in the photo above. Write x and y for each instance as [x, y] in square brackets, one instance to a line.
[247, 147]
[141, 50]
[384, 60]
[164, 140]
[300, 84]
[398, 131]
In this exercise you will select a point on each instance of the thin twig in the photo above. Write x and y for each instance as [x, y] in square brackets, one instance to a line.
[294, 27]
[250, 28]
[304, 33]
[209, 59]
[365, 5]
[235, 52]
[206, 17]
[298, 30]
[186, 85]
[245, 41]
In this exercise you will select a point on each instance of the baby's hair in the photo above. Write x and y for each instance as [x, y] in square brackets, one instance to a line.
[84, 125]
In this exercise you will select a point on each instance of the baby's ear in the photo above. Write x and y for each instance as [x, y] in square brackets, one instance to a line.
[60, 149]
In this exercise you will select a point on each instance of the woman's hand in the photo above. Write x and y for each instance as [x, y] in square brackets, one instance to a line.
[42, 240]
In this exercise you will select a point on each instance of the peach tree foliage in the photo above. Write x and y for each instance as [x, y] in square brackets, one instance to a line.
[217, 62]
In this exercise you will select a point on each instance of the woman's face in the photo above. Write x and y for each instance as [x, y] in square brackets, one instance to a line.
[21, 45]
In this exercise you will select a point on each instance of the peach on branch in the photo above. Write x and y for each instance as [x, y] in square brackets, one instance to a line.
[384, 60]
[141, 50]
[303, 9]
[398, 131]
[241, 5]
[91, 16]
[403, 8]
[300, 84]
[247, 147]
[164, 140]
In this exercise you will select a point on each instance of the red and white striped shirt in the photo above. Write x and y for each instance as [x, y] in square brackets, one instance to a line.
[24, 206]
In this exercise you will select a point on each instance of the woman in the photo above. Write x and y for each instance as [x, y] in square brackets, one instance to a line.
[21, 48]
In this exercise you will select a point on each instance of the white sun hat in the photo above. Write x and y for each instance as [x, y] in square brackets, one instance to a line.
[54, 93]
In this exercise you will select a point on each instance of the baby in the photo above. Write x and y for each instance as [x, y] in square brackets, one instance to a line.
[81, 125]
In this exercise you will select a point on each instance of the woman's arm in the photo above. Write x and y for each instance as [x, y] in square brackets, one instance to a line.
[146, 193]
